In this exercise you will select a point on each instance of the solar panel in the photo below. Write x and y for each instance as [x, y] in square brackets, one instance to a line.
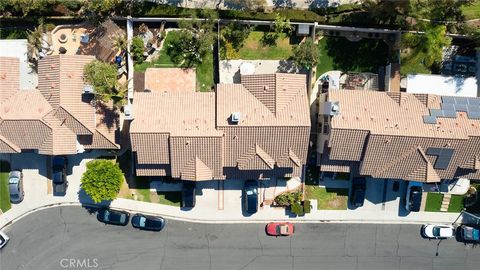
[449, 114]
[436, 112]
[433, 151]
[448, 100]
[473, 108]
[473, 115]
[461, 107]
[461, 100]
[444, 155]
[428, 119]
[448, 106]
[474, 101]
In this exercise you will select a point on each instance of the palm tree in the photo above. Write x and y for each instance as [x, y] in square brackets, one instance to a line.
[120, 43]
[34, 44]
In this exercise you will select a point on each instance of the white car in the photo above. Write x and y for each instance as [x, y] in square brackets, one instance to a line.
[3, 239]
[438, 231]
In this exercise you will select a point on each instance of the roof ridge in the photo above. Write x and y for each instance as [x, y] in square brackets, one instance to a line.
[10, 144]
[264, 156]
[78, 121]
[294, 157]
[105, 137]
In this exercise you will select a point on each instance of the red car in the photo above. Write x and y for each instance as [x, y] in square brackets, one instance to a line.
[280, 229]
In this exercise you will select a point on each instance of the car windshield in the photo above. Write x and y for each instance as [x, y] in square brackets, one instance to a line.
[436, 231]
[57, 177]
[107, 216]
[142, 221]
[282, 229]
[13, 180]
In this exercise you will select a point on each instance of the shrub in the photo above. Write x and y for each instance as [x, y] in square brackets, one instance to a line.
[289, 198]
[49, 27]
[137, 49]
[297, 209]
[306, 206]
[102, 180]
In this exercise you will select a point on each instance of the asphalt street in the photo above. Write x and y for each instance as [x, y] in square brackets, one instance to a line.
[71, 238]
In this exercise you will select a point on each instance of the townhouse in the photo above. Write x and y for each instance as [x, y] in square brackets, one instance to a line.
[58, 118]
[253, 130]
[415, 137]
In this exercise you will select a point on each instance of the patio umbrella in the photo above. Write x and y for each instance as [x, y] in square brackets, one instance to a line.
[62, 50]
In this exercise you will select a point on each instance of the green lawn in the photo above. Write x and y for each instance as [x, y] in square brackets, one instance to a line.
[328, 199]
[412, 64]
[254, 49]
[4, 194]
[325, 62]
[169, 198]
[204, 72]
[456, 204]
[139, 189]
[472, 11]
[434, 202]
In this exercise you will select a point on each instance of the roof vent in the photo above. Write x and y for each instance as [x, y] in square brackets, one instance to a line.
[235, 117]
[88, 89]
[128, 111]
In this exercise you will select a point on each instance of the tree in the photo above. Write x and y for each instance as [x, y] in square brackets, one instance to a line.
[232, 39]
[186, 50]
[102, 180]
[137, 49]
[103, 78]
[34, 43]
[306, 55]
[434, 40]
[236, 33]
[120, 42]
[427, 47]
[282, 24]
[189, 46]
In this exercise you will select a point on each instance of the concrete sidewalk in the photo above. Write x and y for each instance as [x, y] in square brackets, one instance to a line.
[207, 208]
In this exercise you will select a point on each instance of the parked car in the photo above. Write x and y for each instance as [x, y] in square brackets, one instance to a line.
[438, 231]
[188, 194]
[113, 217]
[357, 195]
[3, 239]
[250, 196]
[469, 234]
[280, 228]
[15, 186]
[59, 175]
[149, 223]
[414, 196]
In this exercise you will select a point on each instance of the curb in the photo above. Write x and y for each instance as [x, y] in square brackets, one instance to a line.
[210, 221]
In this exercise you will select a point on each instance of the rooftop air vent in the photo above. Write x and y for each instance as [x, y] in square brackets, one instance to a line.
[128, 112]
[235, 117]
[88, 89]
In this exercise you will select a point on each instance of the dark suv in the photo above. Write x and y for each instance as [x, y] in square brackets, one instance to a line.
[250, 196]
[414, 196]
[113, 217]
[59, 175]
[188, 194]
[357, 196]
